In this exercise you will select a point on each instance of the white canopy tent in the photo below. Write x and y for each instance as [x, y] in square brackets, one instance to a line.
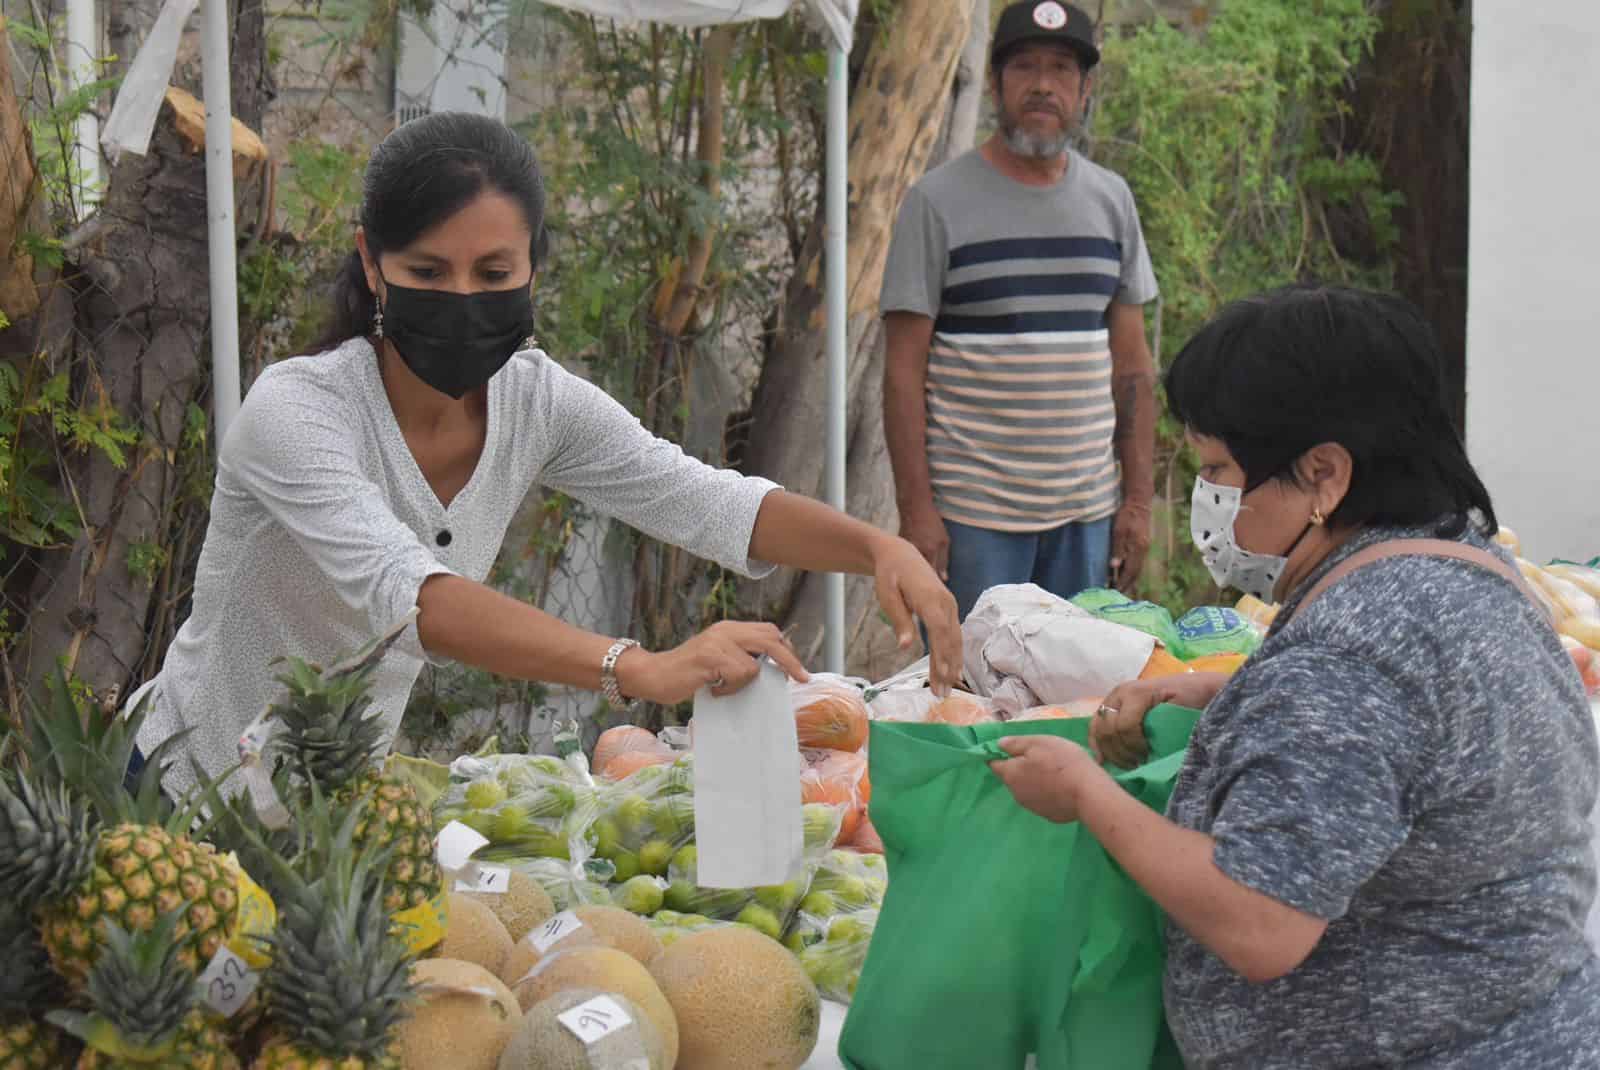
[133, 118]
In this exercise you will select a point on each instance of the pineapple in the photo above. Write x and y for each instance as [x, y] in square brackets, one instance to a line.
[145, 1007]
[340, 980]
[140, 865]
[329, 740]
[27, 989]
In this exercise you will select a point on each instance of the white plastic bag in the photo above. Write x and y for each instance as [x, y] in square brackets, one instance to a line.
[1024, 647]
[144, 87]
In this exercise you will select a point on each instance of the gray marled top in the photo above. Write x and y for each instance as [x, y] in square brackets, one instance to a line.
[1413, 759]
[323, 528]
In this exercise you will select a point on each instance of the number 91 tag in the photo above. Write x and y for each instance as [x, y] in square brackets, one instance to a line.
[595, 1019]
[228, 983]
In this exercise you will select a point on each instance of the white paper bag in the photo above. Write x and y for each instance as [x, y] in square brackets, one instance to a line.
[1022, 646]
[747, 784]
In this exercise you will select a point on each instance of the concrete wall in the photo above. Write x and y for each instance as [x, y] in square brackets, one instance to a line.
[1533, 319]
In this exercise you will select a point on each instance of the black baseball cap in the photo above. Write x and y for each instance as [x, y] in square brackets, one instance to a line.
[1044, 20]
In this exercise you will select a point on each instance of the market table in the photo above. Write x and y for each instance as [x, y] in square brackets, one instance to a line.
[826, 1057]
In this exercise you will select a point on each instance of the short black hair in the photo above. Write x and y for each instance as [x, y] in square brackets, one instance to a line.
[1276, 374]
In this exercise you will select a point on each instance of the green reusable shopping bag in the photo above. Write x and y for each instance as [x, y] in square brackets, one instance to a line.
[1005, 936]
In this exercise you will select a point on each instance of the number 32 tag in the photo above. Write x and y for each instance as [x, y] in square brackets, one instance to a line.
[228, 982]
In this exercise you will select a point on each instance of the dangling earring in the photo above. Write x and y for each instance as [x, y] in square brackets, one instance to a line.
[1317, 518]
[377, 322]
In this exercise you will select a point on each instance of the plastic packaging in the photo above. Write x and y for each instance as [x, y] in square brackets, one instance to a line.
[836, 920]
[829, 711]
[1146, 617]
[1587, 662]
[528, 806]
[1208, 630]
[1257, 613]
[837, 778]
[961, 708]
[625, 749]
[1024, 647]
[834, 962]
[1083, 707]
[1584, 577]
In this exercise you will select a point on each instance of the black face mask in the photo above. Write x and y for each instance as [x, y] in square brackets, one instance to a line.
[456, 342]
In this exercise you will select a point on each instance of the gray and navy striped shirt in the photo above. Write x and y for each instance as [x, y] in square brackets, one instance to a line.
[1018, 280]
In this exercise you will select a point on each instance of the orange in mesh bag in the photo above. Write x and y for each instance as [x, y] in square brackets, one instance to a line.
[1083, 707]
[625, 749]
[837, 778]
[866, 840]
[829, 712]
[962, 708]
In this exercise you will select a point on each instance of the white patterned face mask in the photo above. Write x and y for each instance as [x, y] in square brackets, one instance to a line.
[1212, 513]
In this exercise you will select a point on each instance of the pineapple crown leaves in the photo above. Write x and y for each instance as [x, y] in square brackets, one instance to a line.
[27, 983]
[87, 751]
[327, 734]
[340, 977]
[47, 842]
[139, 992]
[235, 826]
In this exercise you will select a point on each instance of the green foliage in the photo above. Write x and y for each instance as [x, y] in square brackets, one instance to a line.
[1225, 140]
[630, 190]
[39, 419]
[46, 416]
[283, 282]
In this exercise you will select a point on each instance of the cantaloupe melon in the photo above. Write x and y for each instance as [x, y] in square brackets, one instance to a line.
[601, 927]
[609, 970]
[522, 905]
[465, 1020]
[743, 1002]
[474, 934]
[543, 1042]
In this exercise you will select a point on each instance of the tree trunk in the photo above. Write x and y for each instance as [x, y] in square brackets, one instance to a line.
[960, 129]
[143, 306]
[1409, 106]
[250, 74]
[900, 100]
[19, 190]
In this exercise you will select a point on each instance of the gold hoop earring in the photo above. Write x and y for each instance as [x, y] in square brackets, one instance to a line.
[1317, 518]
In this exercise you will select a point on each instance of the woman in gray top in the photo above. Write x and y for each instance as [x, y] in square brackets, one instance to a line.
[377, 478]
[1377, 852]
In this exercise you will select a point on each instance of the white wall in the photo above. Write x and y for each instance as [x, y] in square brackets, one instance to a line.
[1533, 320]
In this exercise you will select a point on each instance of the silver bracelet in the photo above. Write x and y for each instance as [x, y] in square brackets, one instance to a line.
[608, 674]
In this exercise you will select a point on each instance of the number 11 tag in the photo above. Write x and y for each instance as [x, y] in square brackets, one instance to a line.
[491, 879]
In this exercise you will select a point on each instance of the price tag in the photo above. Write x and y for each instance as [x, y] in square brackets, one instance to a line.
[595, 1019]
[456, 846]
[490, 879]
[554, 931]
[228, 982]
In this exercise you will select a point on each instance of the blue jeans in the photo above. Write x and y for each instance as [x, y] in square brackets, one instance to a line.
[1064, 560]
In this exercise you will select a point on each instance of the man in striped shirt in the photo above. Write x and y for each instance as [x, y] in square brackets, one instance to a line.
[1019, 399]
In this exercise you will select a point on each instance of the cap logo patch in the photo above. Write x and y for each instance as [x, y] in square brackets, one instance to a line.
[1050, 15]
